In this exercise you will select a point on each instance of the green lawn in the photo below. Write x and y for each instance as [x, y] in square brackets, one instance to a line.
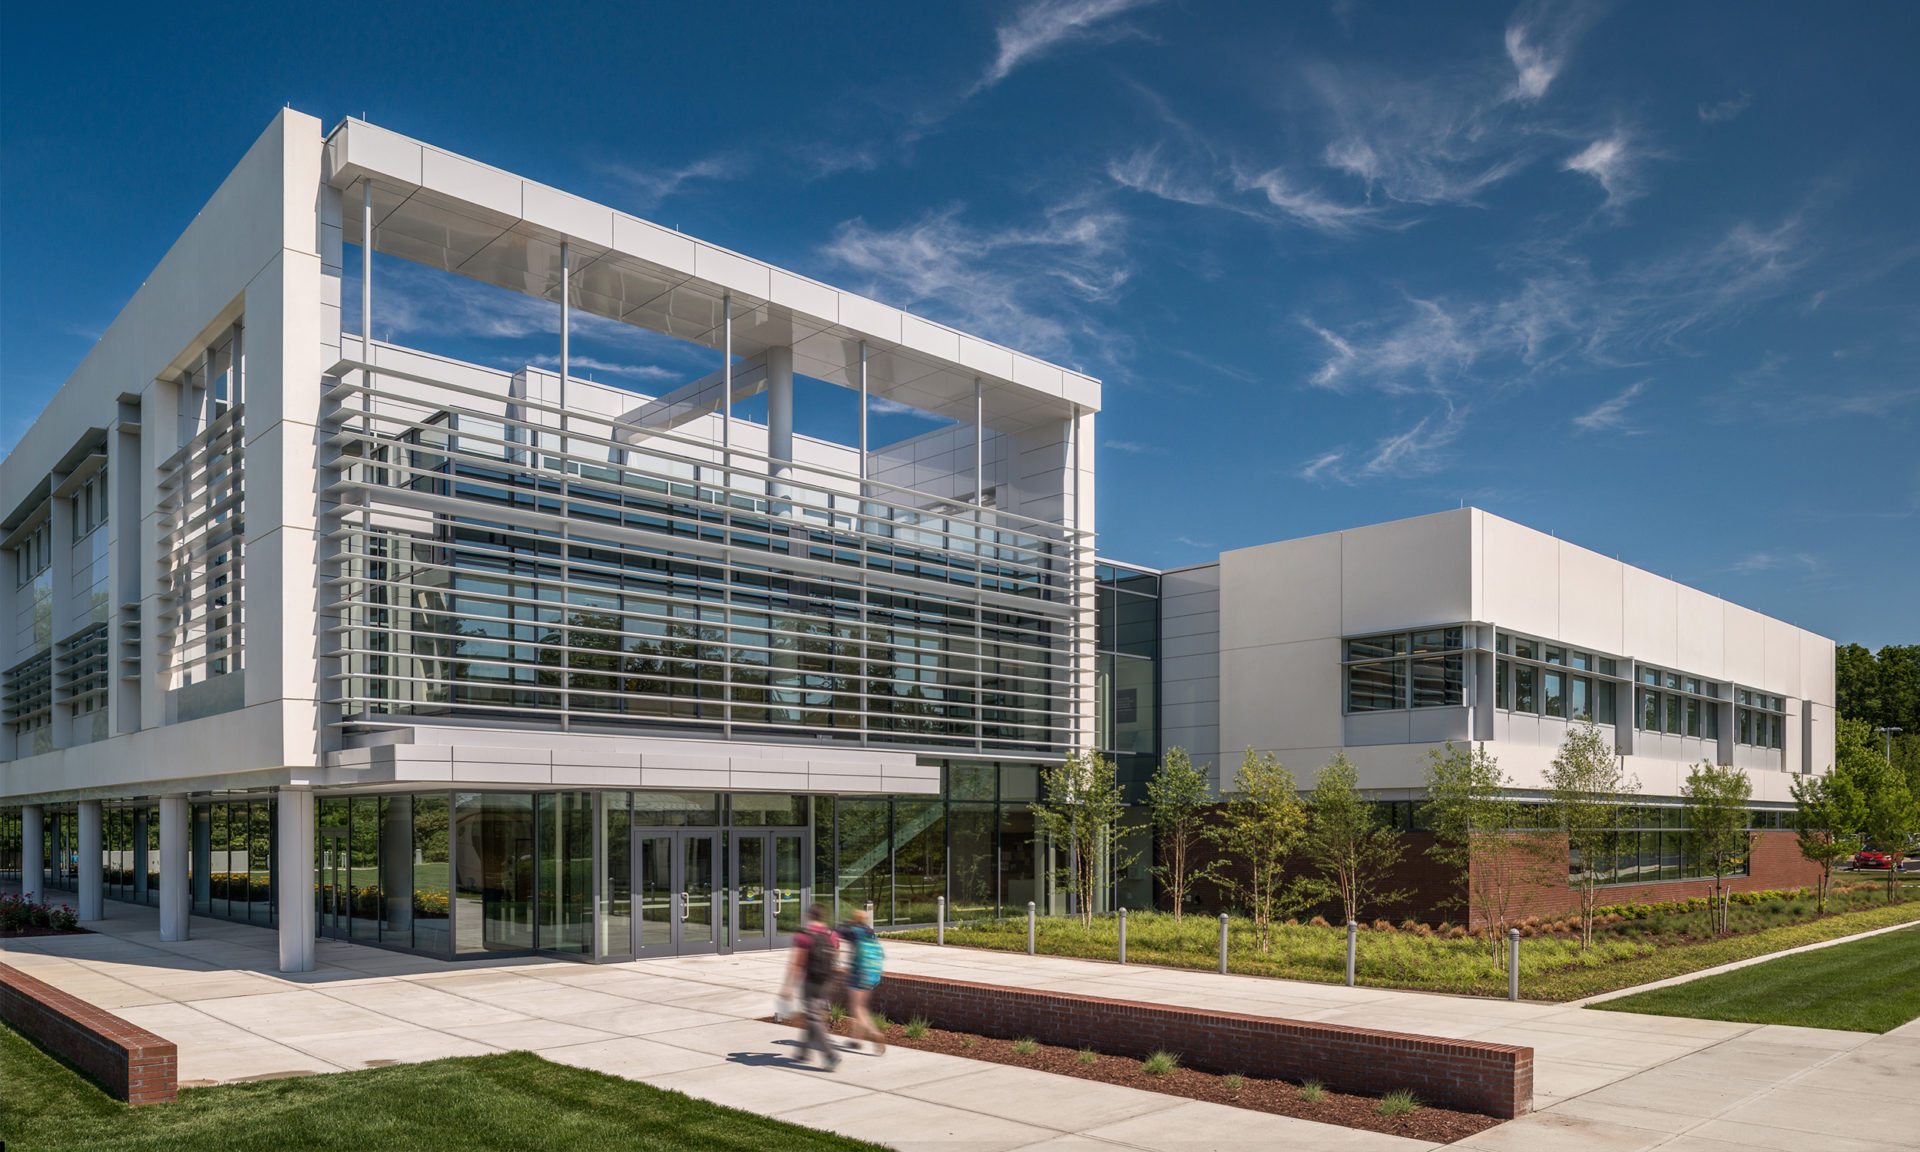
[512, 1101]
[1866, 986]
[1551, 967]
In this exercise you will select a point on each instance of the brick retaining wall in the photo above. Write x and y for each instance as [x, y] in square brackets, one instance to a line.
[1491, 1079]
[131, 1063]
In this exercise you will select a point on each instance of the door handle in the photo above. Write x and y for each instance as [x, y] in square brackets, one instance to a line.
[683, 907]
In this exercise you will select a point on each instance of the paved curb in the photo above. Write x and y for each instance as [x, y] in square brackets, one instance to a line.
[1737, 964]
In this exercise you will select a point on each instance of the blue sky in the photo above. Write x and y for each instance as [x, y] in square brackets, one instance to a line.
[1645, 276]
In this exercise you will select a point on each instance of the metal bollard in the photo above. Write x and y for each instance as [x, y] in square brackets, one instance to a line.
[1123, 935]
[940, 920]
[1223, 943]
[1029, 927]
[1353, 940]
[1513, 963]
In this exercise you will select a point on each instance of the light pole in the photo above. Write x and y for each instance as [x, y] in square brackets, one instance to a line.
[1889, 732]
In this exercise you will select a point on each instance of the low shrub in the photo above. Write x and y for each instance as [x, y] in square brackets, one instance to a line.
[917, 1027]
[1026, 1046]
[1312, 1091]
[1320, 922]
[1382, 926]
[1234, 1082]
[1397, 1103]
[1087, 1056]
[1160, 1063]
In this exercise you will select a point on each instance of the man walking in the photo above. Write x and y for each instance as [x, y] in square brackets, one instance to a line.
[814, 968]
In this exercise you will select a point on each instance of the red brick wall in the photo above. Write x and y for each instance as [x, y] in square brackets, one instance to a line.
[1491, 1079]
[130, 1063]
[1425, 890]
[1777, 863]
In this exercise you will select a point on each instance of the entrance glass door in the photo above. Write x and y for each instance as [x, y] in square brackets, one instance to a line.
[752, 911]
[675, 885]
[787, 893]
[769, 888]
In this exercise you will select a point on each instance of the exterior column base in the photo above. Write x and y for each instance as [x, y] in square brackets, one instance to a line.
[293, 878]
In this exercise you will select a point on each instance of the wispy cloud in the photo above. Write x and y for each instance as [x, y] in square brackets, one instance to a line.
[1755, 563]
[1326, 462]
[1271, 195]
[1540, 38]
[581, 364]
[1611, 415]
[1723, 110]
[1419, 450]
[1559, 312]
[1428, 351]
[1044, 26]
[1134, 447]
[1613, 162]
[882, 406]
[1020, 285]
[650, 186]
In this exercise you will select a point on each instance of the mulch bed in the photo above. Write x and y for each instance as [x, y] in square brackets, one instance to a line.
[1280, 1097]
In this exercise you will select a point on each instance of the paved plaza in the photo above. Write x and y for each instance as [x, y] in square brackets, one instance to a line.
[1604, 1082]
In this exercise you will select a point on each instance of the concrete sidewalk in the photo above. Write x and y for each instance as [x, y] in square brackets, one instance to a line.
[1603, 1081]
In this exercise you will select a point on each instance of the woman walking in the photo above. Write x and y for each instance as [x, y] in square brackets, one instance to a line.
[864, 962]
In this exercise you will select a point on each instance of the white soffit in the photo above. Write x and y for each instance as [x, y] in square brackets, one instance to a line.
[452, 213]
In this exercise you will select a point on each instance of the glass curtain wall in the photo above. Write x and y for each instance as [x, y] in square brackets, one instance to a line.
[975, 846]
[230, 858]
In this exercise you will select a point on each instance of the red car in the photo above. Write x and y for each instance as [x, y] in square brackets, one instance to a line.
[1872, 858]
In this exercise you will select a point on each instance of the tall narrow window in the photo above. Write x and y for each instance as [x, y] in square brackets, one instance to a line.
[1554, 689]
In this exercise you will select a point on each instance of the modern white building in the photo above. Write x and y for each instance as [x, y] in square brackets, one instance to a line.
[501, 660]
[1388, 641]
[361, 641]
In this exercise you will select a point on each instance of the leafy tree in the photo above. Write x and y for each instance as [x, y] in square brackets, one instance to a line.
[1178, 796]
[1893, 820]
[1260, 828]
[1479, 831]
[1347, 843]
[1719, 831]
[1587, 787]
[1081, 803]
[1829, 812]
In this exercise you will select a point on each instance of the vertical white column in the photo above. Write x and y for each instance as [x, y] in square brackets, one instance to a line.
[726, 504]
[33, 851]
[175, 899]
[979, 444]
[293, 877]
[863, 417]
[89, 861]
[366, 272]
[779, 412]
[566, 331]
[726, 393]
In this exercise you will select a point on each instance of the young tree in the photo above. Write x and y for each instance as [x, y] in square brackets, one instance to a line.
[1889, 819]
[1079, 810]
[1829, 812]
[1178, 797]
[1480, 832]
[1346, 841]
[1586, 786]
[1719, 830]
[1893, 820]
[1259, 830]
